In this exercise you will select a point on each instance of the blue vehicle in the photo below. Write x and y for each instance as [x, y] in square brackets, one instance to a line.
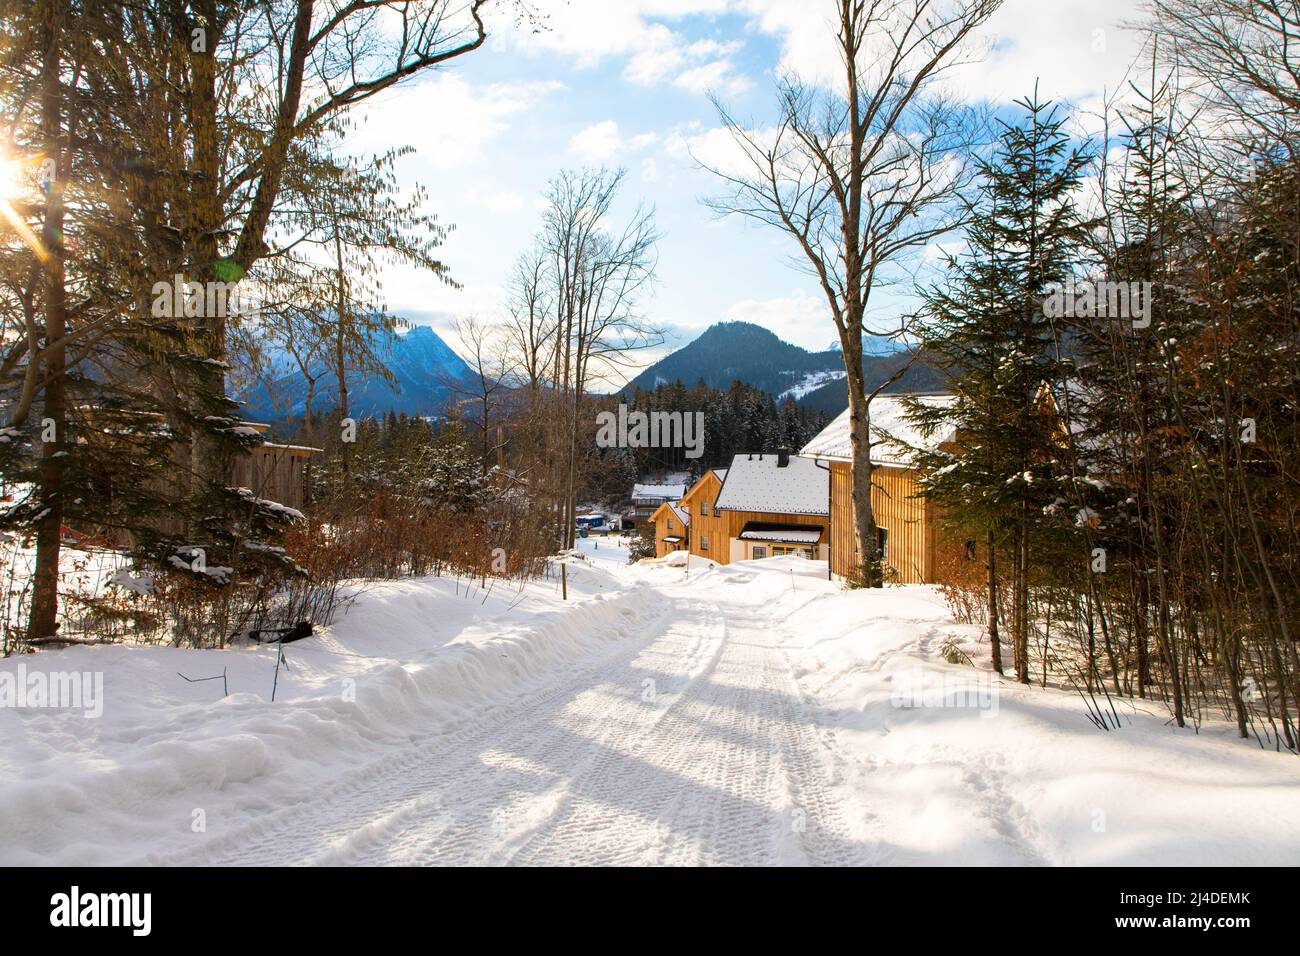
[590, 522]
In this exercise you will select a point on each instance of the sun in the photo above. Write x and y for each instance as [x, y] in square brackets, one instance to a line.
[11, 188]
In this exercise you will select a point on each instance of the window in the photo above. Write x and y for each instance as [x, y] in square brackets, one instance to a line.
[704, 508]
[759, 552]
[784, 550]
[882, 543]
[670, 524]
[704, 542]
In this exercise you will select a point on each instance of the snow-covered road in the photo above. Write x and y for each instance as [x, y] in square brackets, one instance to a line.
[687, 744]
[754, 714]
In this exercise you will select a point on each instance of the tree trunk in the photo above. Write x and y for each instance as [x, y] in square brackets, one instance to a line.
[340, 350]
[1022, 605]
[202, 226]
[995, 643]
[868, 572]
[42, 622]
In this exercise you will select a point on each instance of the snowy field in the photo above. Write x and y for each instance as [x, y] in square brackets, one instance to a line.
[754, 714]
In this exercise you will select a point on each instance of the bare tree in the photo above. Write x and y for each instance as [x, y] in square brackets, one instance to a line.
[862, 175]
[575, 319]
[1241, 59]
[531, 327]
[597, 278]
[487, 351]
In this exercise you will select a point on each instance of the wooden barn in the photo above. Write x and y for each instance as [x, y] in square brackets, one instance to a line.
[274, 471]
[761, 506]
[906, 521]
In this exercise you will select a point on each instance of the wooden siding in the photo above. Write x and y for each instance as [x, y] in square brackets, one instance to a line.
[276, 472]
[708, 526]
[722, 529]
[668, 524]
[908, 518]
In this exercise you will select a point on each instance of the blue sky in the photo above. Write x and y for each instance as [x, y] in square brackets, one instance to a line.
[625, 83]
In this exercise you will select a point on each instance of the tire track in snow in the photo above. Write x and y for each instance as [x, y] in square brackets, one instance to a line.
[294, 834]
[720, 765]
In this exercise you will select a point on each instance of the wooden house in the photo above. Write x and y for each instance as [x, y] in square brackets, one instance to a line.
[274, 471]
[697, 504]
[905, 521]
[761, 506]
[647, 499]
[672, 528]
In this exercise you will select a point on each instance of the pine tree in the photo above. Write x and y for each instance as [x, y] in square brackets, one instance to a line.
[988, 334]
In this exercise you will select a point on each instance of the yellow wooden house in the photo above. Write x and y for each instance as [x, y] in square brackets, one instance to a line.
[907, 530]
[672, 528]
[761, 506]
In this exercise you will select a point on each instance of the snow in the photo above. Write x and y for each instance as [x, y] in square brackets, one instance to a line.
[893, 437]
[673, 711]
[671, 492]
[810, 382]
[757, 483]
[759, 531]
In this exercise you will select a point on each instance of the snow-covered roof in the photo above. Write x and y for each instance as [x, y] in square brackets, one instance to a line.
[672, 539]
[661, 492]
[761, 531]
[755, 483]
[676, 510]
[893, 437]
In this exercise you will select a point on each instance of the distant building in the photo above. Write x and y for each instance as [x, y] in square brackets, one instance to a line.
[646, 499]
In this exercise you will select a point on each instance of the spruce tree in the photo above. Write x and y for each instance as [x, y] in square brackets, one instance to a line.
[988, 335]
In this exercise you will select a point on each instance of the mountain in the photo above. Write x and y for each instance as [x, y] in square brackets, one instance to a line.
[423, 366]
[741, 350]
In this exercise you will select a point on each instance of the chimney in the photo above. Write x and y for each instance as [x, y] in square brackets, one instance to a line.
[782, 457]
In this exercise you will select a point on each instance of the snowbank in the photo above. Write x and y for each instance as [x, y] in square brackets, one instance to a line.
[411, 659]
[952, 764]
[772, 693]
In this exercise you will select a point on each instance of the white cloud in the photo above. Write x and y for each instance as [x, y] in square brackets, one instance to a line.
[715, 76]
[659, 57]
[499, 201]
[592, 31]
[714, 148]
[457, 120]
[1074, 47]
[800, 318]
[602, 142]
